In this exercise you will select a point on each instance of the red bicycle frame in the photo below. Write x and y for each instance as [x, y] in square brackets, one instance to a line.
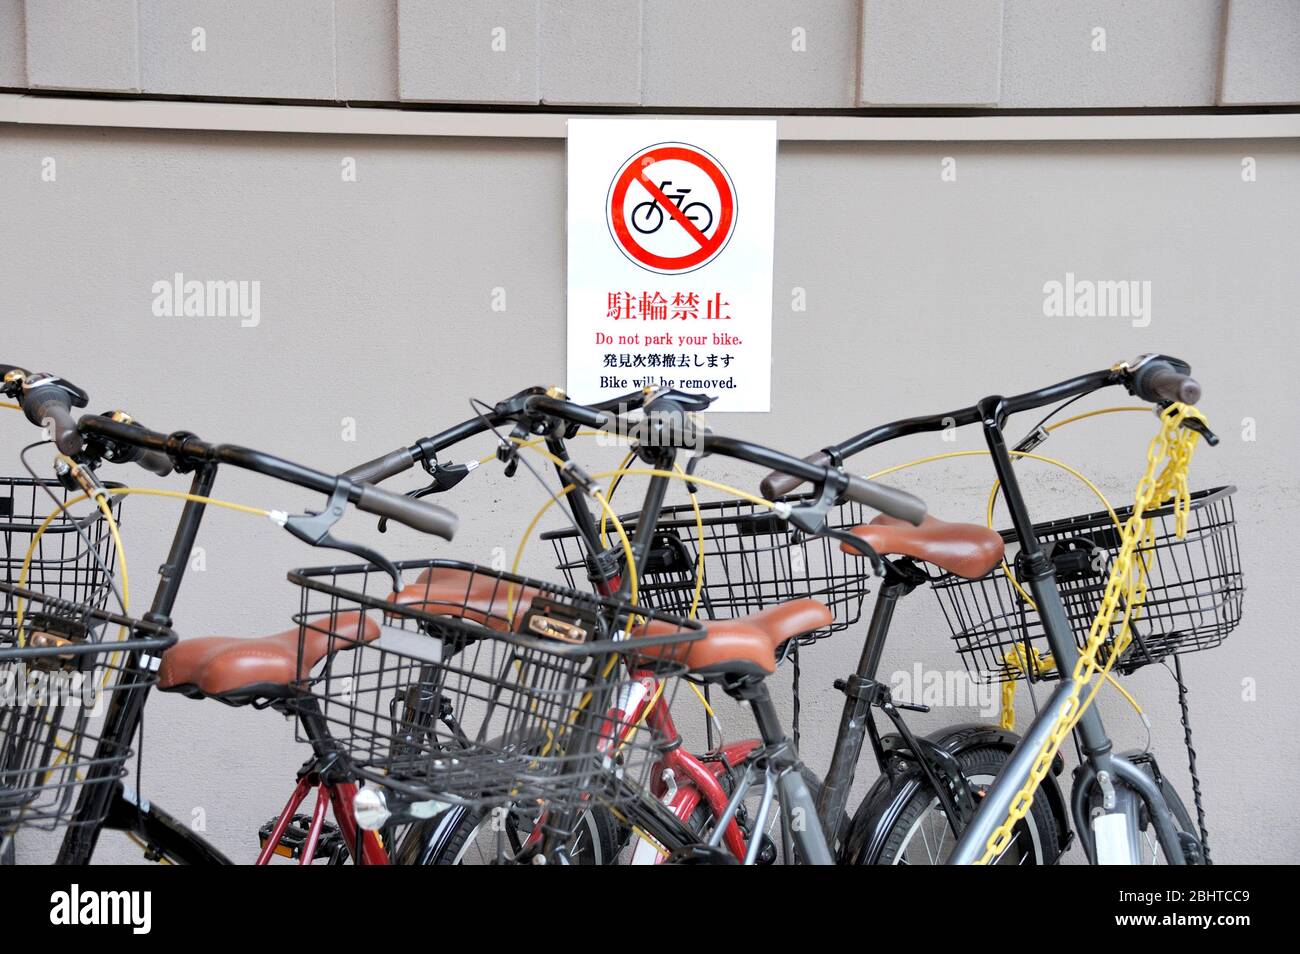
[681, 779]
[338, 796]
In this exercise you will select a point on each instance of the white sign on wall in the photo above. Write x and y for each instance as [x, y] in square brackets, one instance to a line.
[670, 258]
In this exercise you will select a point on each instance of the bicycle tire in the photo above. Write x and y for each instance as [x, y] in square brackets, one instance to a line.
[981, 765]
[604, 837]
[1182, 821]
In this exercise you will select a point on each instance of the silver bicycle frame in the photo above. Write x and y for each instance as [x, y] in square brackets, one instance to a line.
[798, 808]
[1100, 763]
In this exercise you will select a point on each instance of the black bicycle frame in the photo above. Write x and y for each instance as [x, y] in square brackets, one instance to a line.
[110, 800]
[862, 692]
[126, 708]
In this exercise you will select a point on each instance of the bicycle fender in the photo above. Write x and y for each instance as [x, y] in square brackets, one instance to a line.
[959, 738]
[887, 798]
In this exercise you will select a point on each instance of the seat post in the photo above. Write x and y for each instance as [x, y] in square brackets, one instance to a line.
[901, 578]
[860, 691]
[783, 767]
[765, 715]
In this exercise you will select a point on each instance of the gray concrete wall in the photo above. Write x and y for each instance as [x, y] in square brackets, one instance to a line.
[922, 294]
[827, 54]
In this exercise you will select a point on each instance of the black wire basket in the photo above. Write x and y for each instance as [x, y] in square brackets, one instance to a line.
[56, 681]
[1193, 599]
[752, 559]
[481, 688]
[64, 564]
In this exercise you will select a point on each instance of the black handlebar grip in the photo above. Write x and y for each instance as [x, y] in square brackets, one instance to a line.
[416, 514]
[888, 500]
[777, 484]
[569, 411]
[52, 405]
[1163, 381]
[381, 468]
[156, 462]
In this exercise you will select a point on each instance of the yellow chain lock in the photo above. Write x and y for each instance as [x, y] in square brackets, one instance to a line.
[1168, 458]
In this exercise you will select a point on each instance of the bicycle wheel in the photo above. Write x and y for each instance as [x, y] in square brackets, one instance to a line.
[475, 837]
[921, 835]
[1149, 850]
[771, 851]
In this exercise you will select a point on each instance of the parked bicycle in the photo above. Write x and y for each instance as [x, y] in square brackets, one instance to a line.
[493, 716]
[695, 808]
[1182, 557]
[63, 750]
[931, 788]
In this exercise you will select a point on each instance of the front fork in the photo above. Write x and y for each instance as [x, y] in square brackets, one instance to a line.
[1123, 797]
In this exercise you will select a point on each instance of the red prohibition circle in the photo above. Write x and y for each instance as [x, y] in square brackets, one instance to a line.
[634, 170]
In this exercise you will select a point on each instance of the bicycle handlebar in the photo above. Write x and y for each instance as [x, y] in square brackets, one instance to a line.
[538, 405]
[47, 401]
[382, 467]
[1158, 379]
[778, 483]
[888, 500]
[426, 448]
[416, 514]
[182, 447]
[50, 407]
[536, 402]
[155, 463]
[570, 411]
[1163, 380]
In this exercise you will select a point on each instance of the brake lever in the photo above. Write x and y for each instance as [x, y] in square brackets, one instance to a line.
[861, 546]
[810, 516]
[1200, 427]
[508, 450]
[445, 477]
[691, 486]
[314, 529]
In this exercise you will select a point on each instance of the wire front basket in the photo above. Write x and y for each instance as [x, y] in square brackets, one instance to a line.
[56, 680]
[477, 687]
[72, 560]
[1193, 599]
[752, 559]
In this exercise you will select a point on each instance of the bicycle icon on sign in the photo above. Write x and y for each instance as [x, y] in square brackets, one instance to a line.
[648, 216]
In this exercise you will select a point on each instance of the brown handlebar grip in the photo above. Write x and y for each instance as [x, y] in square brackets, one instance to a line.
[381, 468]
[777, 484]
[416, 514]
